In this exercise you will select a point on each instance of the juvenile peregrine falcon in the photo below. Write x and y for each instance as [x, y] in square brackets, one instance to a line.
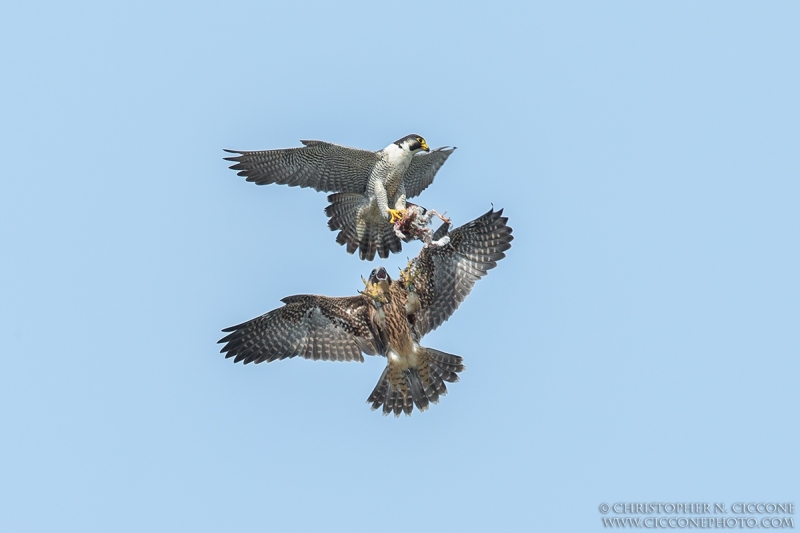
[370, 187]
[388, 318]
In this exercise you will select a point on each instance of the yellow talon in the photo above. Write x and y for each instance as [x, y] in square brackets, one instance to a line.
[395, 215]
[407, 276]
[373, 292]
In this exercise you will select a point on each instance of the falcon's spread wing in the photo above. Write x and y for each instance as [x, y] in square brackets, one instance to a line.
[323, 166]
[314, 327]
[442, 276]
[423, 168]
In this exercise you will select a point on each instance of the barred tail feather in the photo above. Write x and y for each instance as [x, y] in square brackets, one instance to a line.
[367, 244]
[343, 213]
[445, 366]
[398, 391]
[389, 242]
[357, 234]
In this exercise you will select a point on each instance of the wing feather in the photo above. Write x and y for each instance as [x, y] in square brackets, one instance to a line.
[320, 165]
[423, 169]
[444, 276]
[314, 327]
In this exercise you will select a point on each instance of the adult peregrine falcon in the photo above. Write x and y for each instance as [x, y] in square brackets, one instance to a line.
[370, 188]
[388, 318]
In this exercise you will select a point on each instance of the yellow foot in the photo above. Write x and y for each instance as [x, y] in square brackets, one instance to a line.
[395, 215]
[373, 292]
[407, 276]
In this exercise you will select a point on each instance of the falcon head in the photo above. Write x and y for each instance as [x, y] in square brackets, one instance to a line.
[379, 276]
[413, 143]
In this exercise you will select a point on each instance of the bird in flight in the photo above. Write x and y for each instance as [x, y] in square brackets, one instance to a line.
[369, 188]
[389, 318]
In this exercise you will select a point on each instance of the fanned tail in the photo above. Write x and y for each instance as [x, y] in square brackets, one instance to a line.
[355, 232]
[399, 390]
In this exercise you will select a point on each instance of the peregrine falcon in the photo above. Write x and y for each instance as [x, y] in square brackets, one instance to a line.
[370, 188]
[389, 318]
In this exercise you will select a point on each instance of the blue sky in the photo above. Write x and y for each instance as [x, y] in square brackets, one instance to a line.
[639, 343]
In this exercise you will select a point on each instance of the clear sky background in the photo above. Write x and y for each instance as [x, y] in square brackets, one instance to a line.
[640, 342]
